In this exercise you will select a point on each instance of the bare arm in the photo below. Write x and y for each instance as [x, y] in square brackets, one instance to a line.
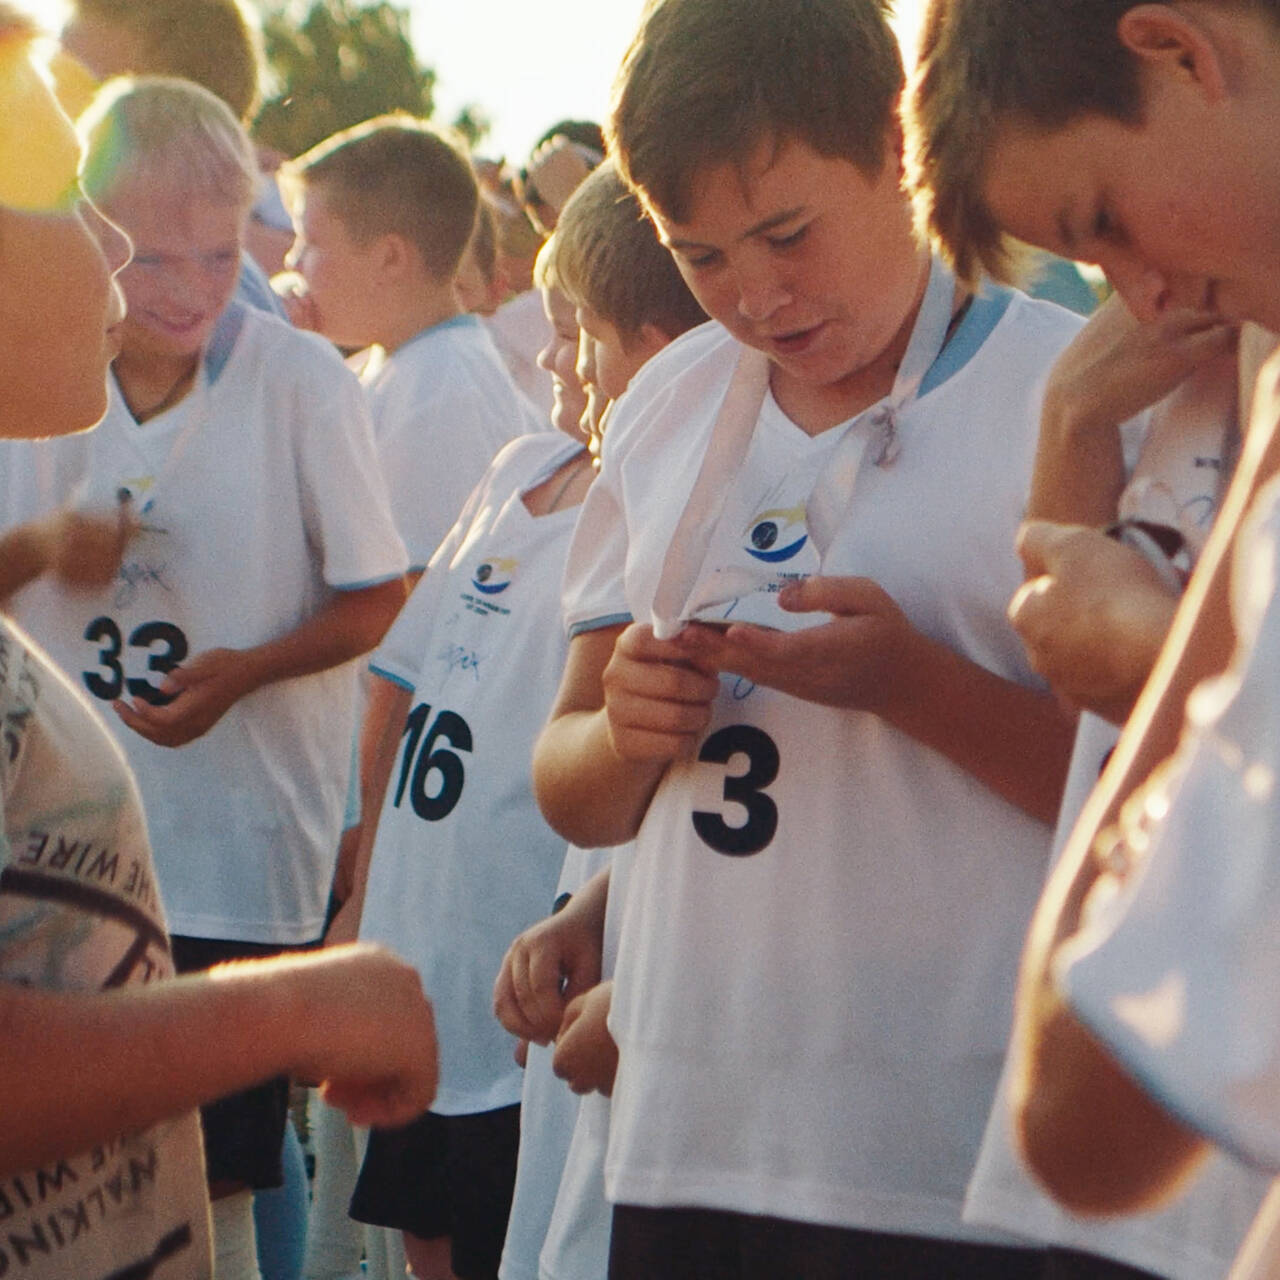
[1077, 1106]
[380, 733]
[354, 1018]
[1115, 368]
[348, 624]
[79, 549]
[628, 705]
[1012, 739]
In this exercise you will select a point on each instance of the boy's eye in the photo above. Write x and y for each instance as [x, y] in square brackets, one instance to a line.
[1105, 226]
[791, 238]
[699, 261]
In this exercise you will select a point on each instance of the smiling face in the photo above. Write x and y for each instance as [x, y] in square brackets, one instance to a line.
[559, 358]
[802, 256]
[185, 266]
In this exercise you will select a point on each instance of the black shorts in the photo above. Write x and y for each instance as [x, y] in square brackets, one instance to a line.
[710, 1244]
[445, 1176]
[243, 1132]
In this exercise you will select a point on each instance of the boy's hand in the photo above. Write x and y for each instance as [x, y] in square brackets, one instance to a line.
[204, 690]
[1092, 615]
[1117, 366]
[86, 549]
[543, 970]
[657, 696]
[850, 662]
[586, 1057]
[375, 1046]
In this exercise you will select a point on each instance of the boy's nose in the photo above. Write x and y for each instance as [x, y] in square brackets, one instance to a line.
[1146, 290]
[760, 293]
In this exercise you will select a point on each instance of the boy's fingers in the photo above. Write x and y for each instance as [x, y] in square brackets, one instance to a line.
[841, 595]
[1041, 543]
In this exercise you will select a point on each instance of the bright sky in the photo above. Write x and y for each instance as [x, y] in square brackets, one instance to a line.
[525, 64]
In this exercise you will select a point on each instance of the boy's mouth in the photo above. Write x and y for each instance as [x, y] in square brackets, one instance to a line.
[796, 341]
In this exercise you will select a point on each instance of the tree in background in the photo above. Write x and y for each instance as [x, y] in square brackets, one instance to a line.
[339, 63]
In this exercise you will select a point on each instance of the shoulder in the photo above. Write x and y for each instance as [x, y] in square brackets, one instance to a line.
[285, 350]
[684, 382]
[1037, 323]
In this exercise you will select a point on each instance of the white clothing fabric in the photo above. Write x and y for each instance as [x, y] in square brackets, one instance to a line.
[463, 860]
[1176, 482]
[1174, 973]
[548, 1110]
[577, 1243]
[79, 911]
[815, 977]
[520, 329]
[258, 495]
[443, 405]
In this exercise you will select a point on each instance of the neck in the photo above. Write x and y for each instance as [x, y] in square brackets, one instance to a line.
[152, 384]
[429, 308]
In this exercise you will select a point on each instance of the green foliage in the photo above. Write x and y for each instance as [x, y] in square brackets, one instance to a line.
[473, 124]
[334, 65]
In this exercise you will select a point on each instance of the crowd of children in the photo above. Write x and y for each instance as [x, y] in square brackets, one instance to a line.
[627, 801]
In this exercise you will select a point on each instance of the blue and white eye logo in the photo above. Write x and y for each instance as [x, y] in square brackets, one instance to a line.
[777, 535]
[493, 577]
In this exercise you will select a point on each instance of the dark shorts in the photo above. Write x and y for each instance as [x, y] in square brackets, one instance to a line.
[244, 1132]
[445, 1176]
[709, 1244]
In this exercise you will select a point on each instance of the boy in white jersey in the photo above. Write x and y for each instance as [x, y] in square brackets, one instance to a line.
[1159, 934]
[462, 860]
[606, 265]
[813, 979]
[384, 212]
[100, 1163]
[265, 562]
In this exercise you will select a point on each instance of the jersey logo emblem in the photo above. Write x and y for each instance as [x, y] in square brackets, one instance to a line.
[493, 577]
[776, 535]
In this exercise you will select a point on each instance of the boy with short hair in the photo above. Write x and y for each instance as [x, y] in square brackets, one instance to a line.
[606, 262]
[1185, 96]
[384, 212]
[803, 1076]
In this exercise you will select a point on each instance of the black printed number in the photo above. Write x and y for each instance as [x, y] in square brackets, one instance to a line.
[745, 789]
[422, 758]
[166, 647]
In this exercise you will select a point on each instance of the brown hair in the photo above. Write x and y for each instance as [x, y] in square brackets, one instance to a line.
[709, 81]
[213, 42]
[985, 64]
[607, 256]
[395, 175]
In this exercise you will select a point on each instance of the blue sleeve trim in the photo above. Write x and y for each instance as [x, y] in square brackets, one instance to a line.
[390, 675]
[600, 624]
[364, 586]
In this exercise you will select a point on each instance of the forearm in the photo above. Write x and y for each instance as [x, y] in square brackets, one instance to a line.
[80, 1069]
[25, 553]
[1012, 739]
[347, 625]
[586, 791]
[1079, 468]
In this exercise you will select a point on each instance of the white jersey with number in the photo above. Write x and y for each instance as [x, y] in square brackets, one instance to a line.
[463, 860]
[443, 404]
[258, 496]
[1176, 482]
[79, 912]
[814, 985]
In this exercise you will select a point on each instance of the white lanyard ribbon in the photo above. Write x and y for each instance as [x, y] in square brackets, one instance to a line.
[680, 590]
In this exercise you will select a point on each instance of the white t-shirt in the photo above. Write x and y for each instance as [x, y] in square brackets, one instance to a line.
[79, 911]
[578, 1237]
[548, 1109]
[463, 860]
[520, 329]
[443, 405]
[258, 495]
[1176, 482]
[1177, 972]
[814, 984]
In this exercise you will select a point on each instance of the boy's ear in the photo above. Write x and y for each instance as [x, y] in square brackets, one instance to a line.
[1166, 38]
[393, 254]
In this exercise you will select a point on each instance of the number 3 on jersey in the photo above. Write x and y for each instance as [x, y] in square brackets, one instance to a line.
[422, 758]
[164, 644]
[742, 789]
